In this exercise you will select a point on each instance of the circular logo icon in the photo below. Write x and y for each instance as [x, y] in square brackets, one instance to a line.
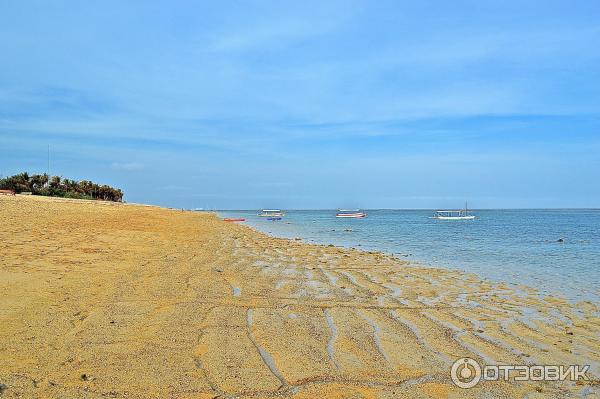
[465, 373]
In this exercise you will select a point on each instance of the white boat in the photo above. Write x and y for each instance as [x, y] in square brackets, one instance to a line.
[271, 213]
[350, 213]
[462, 214]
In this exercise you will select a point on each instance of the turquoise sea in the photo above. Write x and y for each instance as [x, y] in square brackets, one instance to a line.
[513, 246]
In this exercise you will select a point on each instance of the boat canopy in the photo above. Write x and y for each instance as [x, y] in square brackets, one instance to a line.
[271, 210]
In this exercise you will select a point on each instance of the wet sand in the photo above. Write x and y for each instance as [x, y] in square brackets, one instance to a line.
[110, 300]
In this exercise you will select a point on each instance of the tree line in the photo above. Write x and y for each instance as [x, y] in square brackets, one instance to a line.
[56, 186]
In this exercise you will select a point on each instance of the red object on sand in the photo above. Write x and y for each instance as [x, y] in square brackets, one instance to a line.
[234, 220]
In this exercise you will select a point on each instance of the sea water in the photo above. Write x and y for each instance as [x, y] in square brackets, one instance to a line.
[555, 251]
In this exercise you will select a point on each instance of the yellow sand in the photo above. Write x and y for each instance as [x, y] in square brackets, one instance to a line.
[109, 300]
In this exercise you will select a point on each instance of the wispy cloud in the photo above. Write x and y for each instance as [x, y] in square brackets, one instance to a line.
[127, 166]
[273, 27]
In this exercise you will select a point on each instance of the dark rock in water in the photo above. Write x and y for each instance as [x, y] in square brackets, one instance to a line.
[2, 388]
[84, 377]
[347, 229]
[560, 240]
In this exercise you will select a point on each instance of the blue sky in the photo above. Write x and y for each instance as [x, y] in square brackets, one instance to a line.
[288, 104]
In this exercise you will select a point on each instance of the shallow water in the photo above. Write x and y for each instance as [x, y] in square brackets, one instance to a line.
[514, 246]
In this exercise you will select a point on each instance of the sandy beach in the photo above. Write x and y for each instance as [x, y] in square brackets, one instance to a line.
[127, 301]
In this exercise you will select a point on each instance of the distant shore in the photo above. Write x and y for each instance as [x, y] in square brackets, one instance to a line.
[107, 299]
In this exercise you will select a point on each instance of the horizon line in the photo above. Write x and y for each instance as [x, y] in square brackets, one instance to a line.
[412, 209]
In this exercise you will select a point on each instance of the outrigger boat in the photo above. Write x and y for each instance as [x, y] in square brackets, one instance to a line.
[350, 213]
[462, 214]
[272, 214]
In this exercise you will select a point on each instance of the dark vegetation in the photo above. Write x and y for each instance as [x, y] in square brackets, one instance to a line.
[56, 186]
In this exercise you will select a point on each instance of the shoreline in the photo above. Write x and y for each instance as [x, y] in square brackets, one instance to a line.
[310, 227]
[418, 264]
[90, 290]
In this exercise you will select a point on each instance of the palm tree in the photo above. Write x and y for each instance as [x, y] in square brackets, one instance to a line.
[56, 186]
